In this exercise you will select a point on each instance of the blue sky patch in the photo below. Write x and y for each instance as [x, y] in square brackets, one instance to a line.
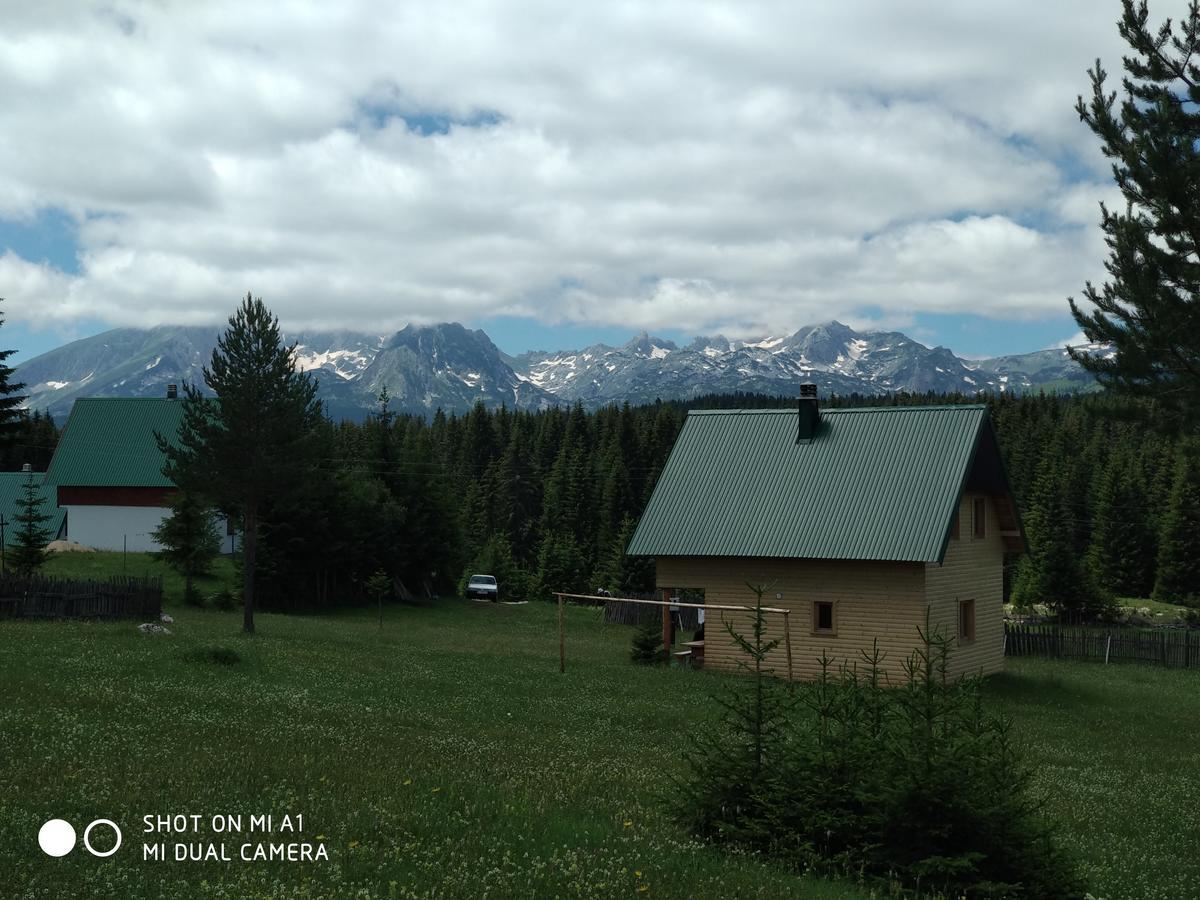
[516, 334]
[424, 123]
[50, 237]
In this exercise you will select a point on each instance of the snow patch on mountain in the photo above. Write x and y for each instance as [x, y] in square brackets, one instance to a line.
[344, 363]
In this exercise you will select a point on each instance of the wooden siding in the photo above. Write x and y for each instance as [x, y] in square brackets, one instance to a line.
[972, 570]
[72, 495]
[884, 600]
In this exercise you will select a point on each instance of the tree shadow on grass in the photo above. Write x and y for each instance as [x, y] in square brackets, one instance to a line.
[1043, 689]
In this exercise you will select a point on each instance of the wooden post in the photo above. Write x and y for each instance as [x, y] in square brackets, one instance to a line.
[1107, 647]
[787, 642]
[666, 623]
[562, 646]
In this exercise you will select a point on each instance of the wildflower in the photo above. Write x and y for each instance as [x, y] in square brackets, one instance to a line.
[628, 824]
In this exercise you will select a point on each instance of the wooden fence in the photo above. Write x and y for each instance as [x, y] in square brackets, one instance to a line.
[618, 613]
[51, 598]
[1172, 647]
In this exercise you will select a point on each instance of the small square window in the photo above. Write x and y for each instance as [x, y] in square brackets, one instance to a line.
[966, 620]
[954, 527]
[980, 517]
[823, 620]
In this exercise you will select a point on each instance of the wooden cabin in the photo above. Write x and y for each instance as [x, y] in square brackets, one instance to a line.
[866, 524]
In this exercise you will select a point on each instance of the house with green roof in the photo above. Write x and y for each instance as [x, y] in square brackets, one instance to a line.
[866, 524]
[106, 474]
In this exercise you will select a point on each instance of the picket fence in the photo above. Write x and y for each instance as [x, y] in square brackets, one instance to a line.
[53, 598]
[1171, 647]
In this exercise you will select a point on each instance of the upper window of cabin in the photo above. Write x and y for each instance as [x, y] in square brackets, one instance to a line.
[979, 519]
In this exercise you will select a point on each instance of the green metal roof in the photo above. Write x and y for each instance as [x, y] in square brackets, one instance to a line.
[875, 484]
[109, 442]
[11, 484]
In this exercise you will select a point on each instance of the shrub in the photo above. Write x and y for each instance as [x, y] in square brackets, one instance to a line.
[647, 644]
[221, 656]
[917, 783]
[224, 600]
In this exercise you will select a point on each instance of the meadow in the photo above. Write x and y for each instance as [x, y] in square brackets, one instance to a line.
[445, 755]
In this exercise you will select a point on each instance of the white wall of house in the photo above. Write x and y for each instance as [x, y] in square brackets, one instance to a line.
[109, 527]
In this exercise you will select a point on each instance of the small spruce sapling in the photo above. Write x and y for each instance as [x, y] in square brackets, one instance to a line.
[735, 770]
[647, 644]
[28, 553]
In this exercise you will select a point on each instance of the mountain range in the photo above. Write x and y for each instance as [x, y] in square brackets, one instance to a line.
[447, 366]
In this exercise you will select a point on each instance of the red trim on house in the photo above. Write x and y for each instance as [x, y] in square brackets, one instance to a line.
[114, 496]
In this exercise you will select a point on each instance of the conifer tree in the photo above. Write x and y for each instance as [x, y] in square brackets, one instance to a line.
[647, 647]
[1149, 309]
[623, 573]
[1122, 552]
[253, 441]
[28, 552]
[1050, 572]
[614, 495]
[189, 540]
[1178, 578]
[561, 566]
[515, 497]
[10, 396]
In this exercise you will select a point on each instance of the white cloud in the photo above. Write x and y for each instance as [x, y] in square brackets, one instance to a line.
[1075, 340]
[744, 167]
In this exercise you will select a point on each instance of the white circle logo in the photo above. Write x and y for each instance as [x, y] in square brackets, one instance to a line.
[57, 837]
[87, 834]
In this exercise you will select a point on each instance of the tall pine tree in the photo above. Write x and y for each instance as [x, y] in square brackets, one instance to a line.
[254, 441]
[1122, 552]
[1051, 572]
[1178, 578]
[1149, 309]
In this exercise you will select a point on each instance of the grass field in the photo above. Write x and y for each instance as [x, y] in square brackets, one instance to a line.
[104, 565]
[445, 755]
[1157, 609]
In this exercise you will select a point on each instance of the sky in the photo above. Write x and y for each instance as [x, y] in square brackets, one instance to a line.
[556, 174]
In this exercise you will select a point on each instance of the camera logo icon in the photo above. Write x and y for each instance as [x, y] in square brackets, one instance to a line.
[57, 837]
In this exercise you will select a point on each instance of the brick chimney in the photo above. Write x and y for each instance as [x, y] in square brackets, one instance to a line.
[172, 392]
[809, 418]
